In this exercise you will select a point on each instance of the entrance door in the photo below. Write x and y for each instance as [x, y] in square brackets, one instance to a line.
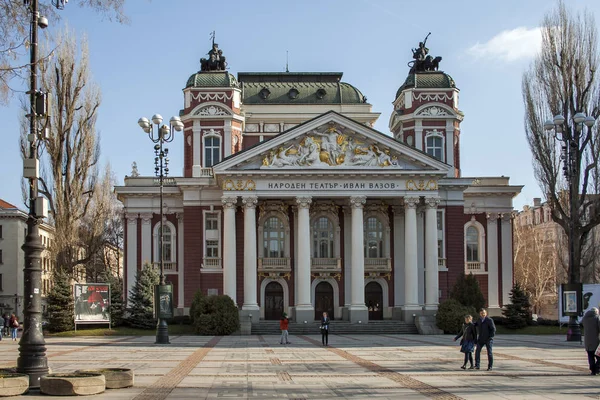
[273, 301]
[323, 300]
[374, 300]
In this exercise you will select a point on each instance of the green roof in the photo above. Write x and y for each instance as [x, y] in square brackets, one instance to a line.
[212, 79]
[435, 80]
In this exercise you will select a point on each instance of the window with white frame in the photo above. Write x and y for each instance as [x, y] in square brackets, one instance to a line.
[323, 237]
[212, 249]
[434, 145]
[168, 247]
[212, 150]
[273, 238]
[373, 238]
[212, 238]
[440, 235]
[472, 241]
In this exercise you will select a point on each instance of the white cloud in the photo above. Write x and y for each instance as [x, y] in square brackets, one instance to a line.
[517, 44]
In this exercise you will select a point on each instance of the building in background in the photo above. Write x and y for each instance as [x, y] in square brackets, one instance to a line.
[291, 202]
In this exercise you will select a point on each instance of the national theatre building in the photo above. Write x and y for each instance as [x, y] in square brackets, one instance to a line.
[291, 202]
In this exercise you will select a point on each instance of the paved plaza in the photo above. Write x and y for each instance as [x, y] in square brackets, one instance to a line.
[353, 367]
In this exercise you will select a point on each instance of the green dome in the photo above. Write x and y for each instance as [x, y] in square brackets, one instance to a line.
[212, 79]
[301, 93]
[427, 80]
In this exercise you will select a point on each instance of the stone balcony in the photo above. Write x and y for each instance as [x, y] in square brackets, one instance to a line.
[330, 265]
[378, 265]
[274, 264]
[168, 266]
[474, 266]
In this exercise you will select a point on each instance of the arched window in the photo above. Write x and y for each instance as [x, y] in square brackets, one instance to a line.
[323, 238]
[274, 238]
[212, 150]
[472, 241]
[169, 244]
[373, 238]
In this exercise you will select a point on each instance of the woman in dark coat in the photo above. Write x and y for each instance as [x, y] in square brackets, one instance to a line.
[467, 344]
[325, 329]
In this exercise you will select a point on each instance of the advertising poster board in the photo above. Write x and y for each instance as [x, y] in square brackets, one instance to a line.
[590, 298]
[163, 301]
[91, 303]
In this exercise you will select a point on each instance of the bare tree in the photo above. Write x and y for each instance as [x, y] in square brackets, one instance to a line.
[14, 34]
[562, 80]
[536, 262]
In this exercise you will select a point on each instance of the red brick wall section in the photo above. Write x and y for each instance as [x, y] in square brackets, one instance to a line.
[188, 154]
[249, 141]
[291, 281]
[455, 251]
[457, 154]
[193, 234]
[139, 245]
[342, 252]
[392, 254]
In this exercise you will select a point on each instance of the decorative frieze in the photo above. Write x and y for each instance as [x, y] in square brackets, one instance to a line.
[433, 111]
[421, 184]
[211, 111]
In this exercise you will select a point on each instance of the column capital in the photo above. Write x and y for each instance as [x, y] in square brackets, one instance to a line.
[131, 218]
[179, 217]
[507, 217]
[492, 217]
[146, 218]
[250, 201]
[432, 202]
[229, 201]
[411, 202]
[358, 201]
[303, 201]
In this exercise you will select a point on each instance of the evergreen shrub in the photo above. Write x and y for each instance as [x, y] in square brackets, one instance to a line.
[61, 306]
[518, 312]
[451, 315]
[214, 315]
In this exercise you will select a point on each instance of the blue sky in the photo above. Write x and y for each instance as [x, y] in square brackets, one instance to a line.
[142, 67]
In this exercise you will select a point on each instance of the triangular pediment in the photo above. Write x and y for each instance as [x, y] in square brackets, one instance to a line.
[328, 143]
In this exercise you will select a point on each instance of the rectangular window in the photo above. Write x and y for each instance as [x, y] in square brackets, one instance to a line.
[212, 248]
[440, 234]
[212, 151]
[212, 221]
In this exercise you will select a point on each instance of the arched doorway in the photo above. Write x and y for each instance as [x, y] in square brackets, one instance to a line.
[323, 300]
[273, 301]
[374, 300]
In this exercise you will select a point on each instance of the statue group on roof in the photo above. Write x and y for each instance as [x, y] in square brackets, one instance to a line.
[215, 60]
[423, 62]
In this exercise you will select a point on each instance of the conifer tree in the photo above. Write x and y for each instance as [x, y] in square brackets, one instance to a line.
[141, 299]
[116, 307]
[518, 312]
[468, 292]
[60, 309]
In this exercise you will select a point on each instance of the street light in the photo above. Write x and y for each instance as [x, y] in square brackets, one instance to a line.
[162, 134]
[571, 159]
[32, 347]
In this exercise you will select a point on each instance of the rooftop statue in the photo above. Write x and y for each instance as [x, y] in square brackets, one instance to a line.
[423, 62]
[215, 60]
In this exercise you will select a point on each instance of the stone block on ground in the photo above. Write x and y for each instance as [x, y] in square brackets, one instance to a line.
[72, 384]
[116, 378]
[426, 325]
[12, 384]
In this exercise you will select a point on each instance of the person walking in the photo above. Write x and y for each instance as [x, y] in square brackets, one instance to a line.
[591, 338]
[467, 344]
[283, 325]
[6, 324]
[14, 325]
[325, 329]
[486, 329]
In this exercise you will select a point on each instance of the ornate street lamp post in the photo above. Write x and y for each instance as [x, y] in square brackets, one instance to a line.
[571, 158]
[160, 134]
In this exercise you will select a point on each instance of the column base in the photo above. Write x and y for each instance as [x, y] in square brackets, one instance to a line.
[304, 314]
[431, 307]
[493, 311]
[358, 313]
[345, 313]
[408, 313]
[250, 313]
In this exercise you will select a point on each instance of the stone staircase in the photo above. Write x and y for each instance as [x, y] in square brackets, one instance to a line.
[388, 327]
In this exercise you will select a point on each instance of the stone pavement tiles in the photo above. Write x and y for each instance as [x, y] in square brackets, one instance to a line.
[353, 367]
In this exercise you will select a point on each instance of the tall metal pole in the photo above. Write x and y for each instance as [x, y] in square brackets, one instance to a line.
[32, 347]
[574, 329]
[162, 329]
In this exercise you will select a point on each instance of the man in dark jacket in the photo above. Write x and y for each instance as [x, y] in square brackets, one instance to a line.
[591, 339]
[485, 337]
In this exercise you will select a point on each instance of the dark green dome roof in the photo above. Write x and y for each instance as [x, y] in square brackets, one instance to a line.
[301, 93]
[212, 79]
[428, 80]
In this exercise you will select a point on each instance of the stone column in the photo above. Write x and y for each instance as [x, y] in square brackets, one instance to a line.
[146, 237]
[196, 149]
[398, 261]
[507, 260]
[492, 261]
[411, 278]
[229, 247]
[347, 261]
[132, 263]
[250, 306]
[431, 254]
[180, 278]
[304, 308]
[358, 310]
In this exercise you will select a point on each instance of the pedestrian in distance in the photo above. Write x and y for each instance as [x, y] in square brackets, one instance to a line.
[591, 338]
[468, 333]
[486, 329]
[14, 325]
[325, 329]
[283, 325]
[6, 324]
